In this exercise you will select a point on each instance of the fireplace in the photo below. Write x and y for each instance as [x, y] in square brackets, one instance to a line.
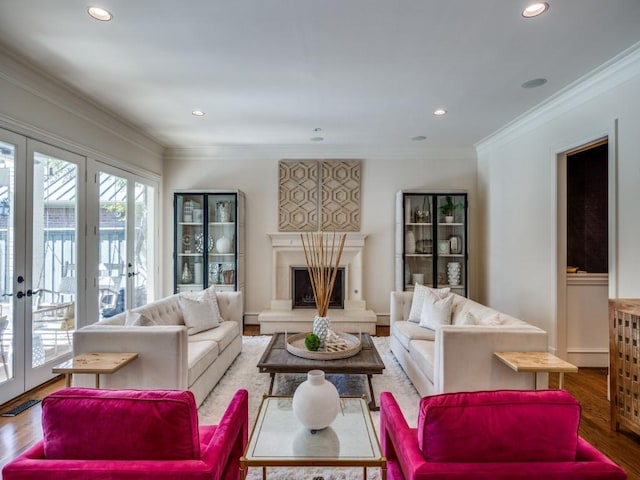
[302, 291]
[350, 316]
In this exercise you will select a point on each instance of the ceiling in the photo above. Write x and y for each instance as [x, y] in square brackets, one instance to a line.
[271, 72]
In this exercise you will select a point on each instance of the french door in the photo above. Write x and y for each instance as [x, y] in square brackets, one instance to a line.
[125, 206]
[40, 214]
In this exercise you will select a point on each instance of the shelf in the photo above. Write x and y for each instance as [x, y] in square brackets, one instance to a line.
[190, 254]
[444, 224]
[419, 255]
[191, 224]
[213, 254]
[451, 255]
[221, 224]
[421, 224]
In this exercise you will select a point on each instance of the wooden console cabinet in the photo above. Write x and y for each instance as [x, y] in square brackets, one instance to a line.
[624, 354]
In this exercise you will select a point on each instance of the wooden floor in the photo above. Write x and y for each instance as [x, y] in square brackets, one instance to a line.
[589, 386]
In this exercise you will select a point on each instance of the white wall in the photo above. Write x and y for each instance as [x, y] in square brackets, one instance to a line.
[37, 107]
[256, 174]
[517, 178]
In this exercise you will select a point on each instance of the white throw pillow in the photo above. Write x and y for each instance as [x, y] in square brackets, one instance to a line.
[421, 292]
[208, 295]
[198, 316]
[436, 314]
[137, 320]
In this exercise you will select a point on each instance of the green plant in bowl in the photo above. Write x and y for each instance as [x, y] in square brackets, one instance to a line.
[312, 342]
[448, 207]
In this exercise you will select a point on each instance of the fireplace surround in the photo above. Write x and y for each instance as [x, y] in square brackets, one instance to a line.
[287, 252]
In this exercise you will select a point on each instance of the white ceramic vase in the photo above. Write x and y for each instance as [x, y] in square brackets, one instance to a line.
[321, 327]
[410, 242]
[453, 273]
[316, 401]
[223, 245]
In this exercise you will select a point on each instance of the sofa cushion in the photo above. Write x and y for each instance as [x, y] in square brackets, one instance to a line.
[90, 424]
[406, 331]
[223, 335]
[499, 426]
[198, 315]
[422, 352]
[436, 313]
[200, 357]
[421, 292]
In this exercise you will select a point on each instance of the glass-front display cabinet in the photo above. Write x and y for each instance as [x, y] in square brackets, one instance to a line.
[431, 240]
[208, 240]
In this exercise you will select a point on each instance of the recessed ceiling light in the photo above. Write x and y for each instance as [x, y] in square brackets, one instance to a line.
[536, 82]
[535, 9]
[317, 129]
[419, 138]
[198, 113]
[440, 112]
[100, 14]
[317, 139]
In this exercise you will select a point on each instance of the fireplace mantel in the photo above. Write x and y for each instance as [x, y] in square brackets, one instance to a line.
[287, 252]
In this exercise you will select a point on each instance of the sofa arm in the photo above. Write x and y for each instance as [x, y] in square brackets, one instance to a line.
[161, 362]
[464, 359]
[399, 442]
[227, 445]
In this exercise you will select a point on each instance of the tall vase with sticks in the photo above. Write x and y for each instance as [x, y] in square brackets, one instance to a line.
[322, 255]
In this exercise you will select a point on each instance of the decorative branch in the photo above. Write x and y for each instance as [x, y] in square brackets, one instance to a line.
[319, 254]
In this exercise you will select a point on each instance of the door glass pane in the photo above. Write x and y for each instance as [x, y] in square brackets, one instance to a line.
[55, 185]
[144, 245]
[113, 243]
[7, 182]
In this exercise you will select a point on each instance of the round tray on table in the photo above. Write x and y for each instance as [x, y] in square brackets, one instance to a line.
[296, 346]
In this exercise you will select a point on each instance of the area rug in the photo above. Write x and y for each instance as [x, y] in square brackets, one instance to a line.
[243, 373]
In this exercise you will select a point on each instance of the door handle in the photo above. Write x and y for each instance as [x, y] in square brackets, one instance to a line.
[20, 294]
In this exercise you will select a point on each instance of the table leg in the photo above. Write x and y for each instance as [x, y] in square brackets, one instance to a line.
[383, 472]
[364, 473]
[561, 380]
[372, 403]
[243, 472]
[67, 379]
[273, 377]
[264, 473]
[535, 380]
[97, 380]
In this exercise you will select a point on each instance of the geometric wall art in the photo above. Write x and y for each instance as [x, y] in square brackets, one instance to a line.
[319, 195]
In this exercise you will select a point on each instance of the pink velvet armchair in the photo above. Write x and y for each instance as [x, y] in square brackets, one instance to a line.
[496, 435]
[133, 434]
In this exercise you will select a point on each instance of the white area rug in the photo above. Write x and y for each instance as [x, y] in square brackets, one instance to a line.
[243, 373]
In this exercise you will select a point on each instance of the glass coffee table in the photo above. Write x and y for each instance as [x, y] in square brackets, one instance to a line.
[278, 439]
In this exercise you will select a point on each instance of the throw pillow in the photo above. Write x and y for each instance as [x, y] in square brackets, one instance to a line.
[207, 295]
[198, 316]
[436, 314]
[420, 292]
[135, 319]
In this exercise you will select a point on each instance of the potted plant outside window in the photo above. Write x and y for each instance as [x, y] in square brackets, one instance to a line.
[448, 209]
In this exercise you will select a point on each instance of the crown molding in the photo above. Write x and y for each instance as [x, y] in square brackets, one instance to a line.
[303, 152]
[607, 76]
[33, 80]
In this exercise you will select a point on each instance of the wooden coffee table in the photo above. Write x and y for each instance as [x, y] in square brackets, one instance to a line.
[94, 363]
[535, 362]
[276, 359]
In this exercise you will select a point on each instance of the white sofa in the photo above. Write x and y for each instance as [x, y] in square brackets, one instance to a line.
[459, 357]
[168, 358]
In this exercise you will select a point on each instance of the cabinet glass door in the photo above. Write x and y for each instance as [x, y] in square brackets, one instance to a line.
[418, 241]
[451, 242]
[190, 242]
[221, 230]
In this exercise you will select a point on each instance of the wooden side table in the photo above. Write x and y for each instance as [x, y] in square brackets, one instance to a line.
[94, 363]
[535, 362]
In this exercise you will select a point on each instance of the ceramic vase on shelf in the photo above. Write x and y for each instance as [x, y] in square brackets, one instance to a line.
[321, 328]
[453, 273]
[187, 277]
[223, 245]
[316, 401]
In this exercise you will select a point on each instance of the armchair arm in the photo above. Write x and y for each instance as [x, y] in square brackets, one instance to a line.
[399, 442]
[161, 362]
[223, 451]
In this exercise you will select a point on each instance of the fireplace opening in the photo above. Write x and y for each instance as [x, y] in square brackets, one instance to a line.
[302, 292]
